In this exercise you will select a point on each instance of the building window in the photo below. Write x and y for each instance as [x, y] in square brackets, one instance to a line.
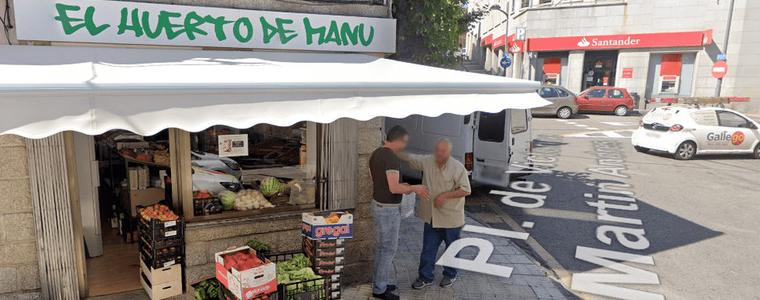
[259, 170]
[544, 2]
[525, 4]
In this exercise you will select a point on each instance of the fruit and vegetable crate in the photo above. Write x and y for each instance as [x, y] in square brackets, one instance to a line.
[160, 234]
[309, 289]
[160, 258]
[212, 289]
[327, 225]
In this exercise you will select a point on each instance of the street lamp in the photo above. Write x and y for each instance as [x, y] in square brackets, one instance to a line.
[496, 7]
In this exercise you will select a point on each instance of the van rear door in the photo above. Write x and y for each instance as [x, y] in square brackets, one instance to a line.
[520, 137]
[491, 148]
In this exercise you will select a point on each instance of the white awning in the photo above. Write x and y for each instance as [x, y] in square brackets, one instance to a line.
[45, 90]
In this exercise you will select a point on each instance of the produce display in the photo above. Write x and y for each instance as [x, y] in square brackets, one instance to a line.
[209, 289]
[259, 246]
[241, 261]
[202, 194]
[158, 212]
[271, 186]
[228, 199]
[296, 269]
[333, 218]
[157, 153]
[251, 199]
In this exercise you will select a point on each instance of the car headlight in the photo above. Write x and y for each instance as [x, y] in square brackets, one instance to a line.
[231, 164]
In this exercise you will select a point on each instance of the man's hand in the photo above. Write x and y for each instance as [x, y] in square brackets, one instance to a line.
[421, 191]
[439, 200]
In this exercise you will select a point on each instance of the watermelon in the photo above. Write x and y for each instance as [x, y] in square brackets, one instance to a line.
[228, 199]
[270, 186]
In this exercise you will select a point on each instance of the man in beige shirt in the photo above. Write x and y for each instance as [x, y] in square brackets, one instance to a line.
[443, 212]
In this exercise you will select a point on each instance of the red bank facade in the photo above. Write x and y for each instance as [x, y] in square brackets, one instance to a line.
[652, 48]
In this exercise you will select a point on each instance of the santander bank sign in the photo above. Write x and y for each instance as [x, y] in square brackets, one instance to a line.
[618, 41]
[597, 42]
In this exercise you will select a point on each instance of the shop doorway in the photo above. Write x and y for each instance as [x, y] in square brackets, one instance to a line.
[599, 68]
[117, 172]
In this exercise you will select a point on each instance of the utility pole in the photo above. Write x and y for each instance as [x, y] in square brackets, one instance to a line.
[719, 85]
[496, 7]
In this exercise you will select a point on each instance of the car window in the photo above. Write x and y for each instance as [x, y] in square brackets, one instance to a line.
[729, 119]
[547, 92]
[562, 93]
[595, 93]
[491, 126]
[615, 94]
[705, 117]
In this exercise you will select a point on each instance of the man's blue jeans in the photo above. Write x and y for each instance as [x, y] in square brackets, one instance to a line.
[431, 240]
[387, 222]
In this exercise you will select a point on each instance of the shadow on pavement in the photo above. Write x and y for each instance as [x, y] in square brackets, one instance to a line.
[566, 221]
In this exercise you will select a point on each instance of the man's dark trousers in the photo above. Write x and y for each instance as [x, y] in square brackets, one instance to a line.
[431, 240]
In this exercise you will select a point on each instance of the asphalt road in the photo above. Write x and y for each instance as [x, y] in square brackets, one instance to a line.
[693, 227]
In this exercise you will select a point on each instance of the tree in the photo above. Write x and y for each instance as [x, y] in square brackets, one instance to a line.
[428, 31]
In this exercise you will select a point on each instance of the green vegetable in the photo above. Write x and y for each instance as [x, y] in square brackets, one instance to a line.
[209, 289]
[258, 246]
[228, 199]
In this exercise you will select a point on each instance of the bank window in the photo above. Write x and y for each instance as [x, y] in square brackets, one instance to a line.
[258, 170]
[519, 119]
[615, 94]
[596, 93]
[729, 119]
[491, 126]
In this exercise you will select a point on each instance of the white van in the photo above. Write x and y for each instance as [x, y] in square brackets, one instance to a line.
[486, 143]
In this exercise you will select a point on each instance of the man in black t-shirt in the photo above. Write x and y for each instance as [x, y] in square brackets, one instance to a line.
[387, 189]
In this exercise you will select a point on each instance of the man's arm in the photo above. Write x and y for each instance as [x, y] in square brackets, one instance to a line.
[415, 161]
[463, 190]
[396, 187]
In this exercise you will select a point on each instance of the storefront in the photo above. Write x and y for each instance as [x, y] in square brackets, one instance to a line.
[609, 60]
[99, 131]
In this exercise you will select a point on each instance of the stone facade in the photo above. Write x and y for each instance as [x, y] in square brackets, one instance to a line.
[19, 271]
[18, 251]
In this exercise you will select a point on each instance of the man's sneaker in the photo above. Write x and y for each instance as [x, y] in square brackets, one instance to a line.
[447, 282]
[388, 295]
[420, 284]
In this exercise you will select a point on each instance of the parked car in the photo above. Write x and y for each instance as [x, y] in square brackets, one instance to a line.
[213, 162]
[606, 99]
[214, 181]
[564, 104]
[687, 131]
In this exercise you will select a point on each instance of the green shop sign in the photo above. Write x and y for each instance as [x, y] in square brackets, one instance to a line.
[117, 22]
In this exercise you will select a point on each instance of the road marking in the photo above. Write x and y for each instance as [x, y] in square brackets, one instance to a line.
[581, 125]
[608, 134]
[620, 123]
[528, 225]
[592, 128]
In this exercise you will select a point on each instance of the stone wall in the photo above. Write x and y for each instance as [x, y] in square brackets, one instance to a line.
[19, 271]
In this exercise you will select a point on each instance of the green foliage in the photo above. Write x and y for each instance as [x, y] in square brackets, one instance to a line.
[429, 30]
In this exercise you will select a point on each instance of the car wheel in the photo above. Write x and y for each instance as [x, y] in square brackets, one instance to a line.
[757, 151]
[564, 113]
[641, 149]
[685, 151]
[621, 110]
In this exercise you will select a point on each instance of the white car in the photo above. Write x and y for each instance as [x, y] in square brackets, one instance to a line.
[212, 161]
[214, 181]
[687, 131]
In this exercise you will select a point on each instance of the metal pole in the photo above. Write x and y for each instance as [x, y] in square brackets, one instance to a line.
[719, 85]
[496, 7]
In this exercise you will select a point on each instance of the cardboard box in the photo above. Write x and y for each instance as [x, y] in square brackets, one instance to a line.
[144, 197]
[160, 290]
[250, 283]
[161, 275]
[315, 226]
[134, 178]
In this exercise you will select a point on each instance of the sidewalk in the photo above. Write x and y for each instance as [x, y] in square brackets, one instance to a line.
[528, 280]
